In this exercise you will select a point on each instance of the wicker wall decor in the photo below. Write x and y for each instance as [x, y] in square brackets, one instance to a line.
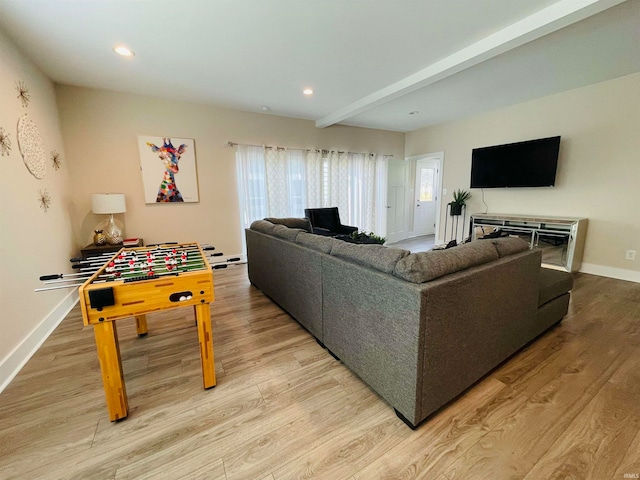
[31, 147]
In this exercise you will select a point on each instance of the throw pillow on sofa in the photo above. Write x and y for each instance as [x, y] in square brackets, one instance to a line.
[509, 245]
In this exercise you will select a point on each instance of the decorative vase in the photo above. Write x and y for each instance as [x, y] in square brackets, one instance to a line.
[99, 238]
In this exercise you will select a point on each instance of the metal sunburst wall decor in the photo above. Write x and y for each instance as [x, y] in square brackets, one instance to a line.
[44, 199]
[5, 143]
[23, 93]
[55, 158]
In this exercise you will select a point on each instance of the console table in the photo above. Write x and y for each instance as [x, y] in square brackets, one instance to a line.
[560, 238]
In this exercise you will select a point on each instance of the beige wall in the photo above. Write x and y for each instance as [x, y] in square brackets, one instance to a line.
[100, 129]
[32, 242]
[598, 173]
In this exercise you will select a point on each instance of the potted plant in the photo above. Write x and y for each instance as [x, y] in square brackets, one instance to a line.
[364, 237]
[460, 197]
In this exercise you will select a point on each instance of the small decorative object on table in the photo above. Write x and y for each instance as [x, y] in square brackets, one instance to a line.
[99, 238]
[132, 242]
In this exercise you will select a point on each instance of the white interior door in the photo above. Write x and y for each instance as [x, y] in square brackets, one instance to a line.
[397, 200]
[426, 196]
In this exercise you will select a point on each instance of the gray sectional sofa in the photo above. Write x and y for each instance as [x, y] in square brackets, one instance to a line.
[418, 328]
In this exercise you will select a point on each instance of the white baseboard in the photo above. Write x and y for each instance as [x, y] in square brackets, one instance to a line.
[618, 273]
[13, 363]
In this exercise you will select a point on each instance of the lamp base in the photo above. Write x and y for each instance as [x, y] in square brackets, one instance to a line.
[113, 233]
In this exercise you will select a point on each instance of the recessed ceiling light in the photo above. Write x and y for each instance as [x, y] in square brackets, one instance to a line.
[124, 51]
[307, 91]
[415, 112]
[264, 108]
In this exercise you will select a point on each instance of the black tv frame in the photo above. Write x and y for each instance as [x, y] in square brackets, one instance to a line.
[531, 163]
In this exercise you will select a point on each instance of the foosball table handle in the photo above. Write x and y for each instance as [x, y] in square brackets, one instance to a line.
[51, 277]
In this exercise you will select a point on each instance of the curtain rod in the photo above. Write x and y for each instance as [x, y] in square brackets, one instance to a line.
[233, 144]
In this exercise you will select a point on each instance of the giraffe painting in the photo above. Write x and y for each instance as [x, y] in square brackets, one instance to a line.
[168, 169]
[170, 156]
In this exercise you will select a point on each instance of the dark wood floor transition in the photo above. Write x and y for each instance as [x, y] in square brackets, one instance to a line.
[568, 406]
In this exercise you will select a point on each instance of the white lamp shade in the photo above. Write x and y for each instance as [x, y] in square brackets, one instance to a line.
[107, 203]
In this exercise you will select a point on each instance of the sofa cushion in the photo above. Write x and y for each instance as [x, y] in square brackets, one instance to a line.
[286, 232]
[316, 242]
[553, 284]
[378, 257]
[509, 245]
[303, 223]
[425, 266]
[262, 226]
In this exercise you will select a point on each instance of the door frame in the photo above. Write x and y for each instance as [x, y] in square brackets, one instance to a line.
[439, 158]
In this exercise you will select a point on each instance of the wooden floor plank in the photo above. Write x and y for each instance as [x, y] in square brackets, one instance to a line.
[605, 429]
[446, 436]
[284, 408]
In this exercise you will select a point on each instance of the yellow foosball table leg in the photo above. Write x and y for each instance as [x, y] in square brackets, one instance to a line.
[111, 367]
[205, 337]
[141, 325]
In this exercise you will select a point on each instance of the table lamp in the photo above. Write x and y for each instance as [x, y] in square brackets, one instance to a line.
[109, 203]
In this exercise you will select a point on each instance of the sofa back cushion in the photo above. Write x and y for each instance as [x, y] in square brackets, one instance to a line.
[425, 266]
[287, 233]
[509, 245]
[262, 226]
[378, 257]
[317, 242]
[303, 223]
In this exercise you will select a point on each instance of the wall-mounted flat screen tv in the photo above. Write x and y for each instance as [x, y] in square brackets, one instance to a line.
[524, 164]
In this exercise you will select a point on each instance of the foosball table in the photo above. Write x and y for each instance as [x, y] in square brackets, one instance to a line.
[134, 282]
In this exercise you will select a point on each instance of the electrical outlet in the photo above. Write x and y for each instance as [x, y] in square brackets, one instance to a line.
[630, 255]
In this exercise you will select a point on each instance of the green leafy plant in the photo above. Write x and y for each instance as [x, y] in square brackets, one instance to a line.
[460, 197]
[367, 237]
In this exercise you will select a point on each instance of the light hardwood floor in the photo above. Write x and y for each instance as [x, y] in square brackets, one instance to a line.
[567, 406]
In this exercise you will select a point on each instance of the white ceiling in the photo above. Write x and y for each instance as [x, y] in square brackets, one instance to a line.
[370, 62]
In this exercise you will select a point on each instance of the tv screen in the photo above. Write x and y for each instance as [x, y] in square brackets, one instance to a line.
[524, 164]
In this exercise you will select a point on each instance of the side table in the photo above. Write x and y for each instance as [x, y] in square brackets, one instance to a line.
[92, 249]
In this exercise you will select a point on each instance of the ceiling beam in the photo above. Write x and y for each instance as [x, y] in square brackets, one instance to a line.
[547, 20]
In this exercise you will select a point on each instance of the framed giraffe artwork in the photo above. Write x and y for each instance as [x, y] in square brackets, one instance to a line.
[168, 166]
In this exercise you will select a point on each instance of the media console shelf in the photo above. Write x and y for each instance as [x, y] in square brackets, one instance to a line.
[560, 238]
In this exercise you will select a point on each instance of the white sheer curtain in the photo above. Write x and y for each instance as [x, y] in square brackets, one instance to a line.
[252, 185]
[285, 182]
[356, 183]
[277, 182]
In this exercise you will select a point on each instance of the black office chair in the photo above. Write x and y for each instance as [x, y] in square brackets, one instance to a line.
[326, 221]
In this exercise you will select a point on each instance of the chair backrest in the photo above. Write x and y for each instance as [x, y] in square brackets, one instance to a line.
[328, 218]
